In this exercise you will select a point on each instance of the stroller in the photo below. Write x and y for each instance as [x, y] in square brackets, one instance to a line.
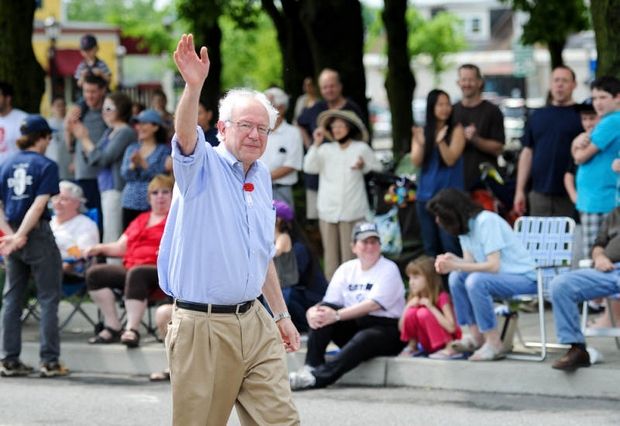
[392, 198]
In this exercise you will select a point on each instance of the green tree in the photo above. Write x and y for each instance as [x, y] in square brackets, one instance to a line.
[136, 18]
[606, 21]
[250, 57]
[18, 66]
[551, 22]
[436, 38]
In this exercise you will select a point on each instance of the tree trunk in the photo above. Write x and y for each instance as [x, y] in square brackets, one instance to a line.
[555, 51]
[336, 37]
[606, 21]
[18, 65]
[400, 81]
[296, 56]
[207, 32]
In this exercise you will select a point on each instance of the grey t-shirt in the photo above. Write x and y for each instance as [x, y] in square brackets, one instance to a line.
[93, 121]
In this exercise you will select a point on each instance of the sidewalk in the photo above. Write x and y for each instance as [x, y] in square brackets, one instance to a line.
[506, 376]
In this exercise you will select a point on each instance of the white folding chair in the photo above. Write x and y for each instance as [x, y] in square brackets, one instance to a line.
[549, 241]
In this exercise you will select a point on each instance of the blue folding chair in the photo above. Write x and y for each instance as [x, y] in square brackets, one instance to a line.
[549, 241]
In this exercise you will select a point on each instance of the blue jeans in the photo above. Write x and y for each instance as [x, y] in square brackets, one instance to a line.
[41, 258]
[473, 293]
[436, 241]
[571, 288]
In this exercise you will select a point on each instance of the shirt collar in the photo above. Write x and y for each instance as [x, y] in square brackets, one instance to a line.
[232, 161]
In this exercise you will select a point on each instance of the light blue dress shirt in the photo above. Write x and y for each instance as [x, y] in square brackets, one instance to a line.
[219, 238]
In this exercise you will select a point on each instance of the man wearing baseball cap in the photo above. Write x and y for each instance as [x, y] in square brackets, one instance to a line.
[359, 313]
[27, 181]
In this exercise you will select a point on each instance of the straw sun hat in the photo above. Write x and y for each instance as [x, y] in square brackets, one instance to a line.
[358, 129]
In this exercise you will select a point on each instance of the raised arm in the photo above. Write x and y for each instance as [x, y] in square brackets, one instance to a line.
[194, 70]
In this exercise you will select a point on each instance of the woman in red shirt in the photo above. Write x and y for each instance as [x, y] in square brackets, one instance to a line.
[137, 276]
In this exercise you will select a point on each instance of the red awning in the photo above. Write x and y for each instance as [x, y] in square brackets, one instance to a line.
[66, 61]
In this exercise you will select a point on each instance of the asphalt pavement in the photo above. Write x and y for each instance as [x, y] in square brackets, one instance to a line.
[506, 376]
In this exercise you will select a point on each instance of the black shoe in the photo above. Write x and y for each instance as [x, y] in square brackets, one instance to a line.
[14, 369]
[573, 359]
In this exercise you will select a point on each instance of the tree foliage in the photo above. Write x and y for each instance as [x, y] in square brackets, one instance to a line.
[551, 22]
[436, 38]
[136, 18]
[250, 57]
[18, 65]
[606, 21]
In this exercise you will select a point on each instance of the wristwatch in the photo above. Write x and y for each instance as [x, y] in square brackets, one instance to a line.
[281, 316]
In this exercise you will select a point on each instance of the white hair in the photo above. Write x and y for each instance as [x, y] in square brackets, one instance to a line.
[75, 191]
[278, 97]
[235, 96]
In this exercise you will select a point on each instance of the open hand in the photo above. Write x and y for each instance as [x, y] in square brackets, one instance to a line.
[289, 334]
[193, 68]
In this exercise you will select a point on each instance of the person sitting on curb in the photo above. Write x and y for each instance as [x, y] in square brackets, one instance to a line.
[359, 313]
[571, 288]
[494, 264]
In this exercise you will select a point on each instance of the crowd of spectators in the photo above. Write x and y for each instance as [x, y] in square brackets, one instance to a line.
[118, 165]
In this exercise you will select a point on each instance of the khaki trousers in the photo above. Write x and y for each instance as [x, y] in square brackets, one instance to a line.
[220, 360]
[336, 238]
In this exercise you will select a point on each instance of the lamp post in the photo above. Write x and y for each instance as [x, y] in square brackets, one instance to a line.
[52, 30]
[121, 51]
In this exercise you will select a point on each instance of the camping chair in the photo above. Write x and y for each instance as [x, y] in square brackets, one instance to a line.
[549, 241]
[614, 330]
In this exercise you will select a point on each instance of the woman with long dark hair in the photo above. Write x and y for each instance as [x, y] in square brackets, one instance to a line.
[437, 150]
[494, 264]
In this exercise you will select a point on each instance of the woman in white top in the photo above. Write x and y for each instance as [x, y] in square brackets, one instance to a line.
[359, 313]
[341, 165]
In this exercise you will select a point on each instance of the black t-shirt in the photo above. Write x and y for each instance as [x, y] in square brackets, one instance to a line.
[549, 133]
[489, 122]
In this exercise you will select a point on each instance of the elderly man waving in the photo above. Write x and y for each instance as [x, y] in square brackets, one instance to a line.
[215, 259]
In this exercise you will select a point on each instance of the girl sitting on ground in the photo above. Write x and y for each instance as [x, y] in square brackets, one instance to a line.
[428, 319]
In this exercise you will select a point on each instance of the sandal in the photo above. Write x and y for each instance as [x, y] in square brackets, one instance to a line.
[131, 338]
[487, 353]
[466, 344]
[98, 339]
[160, 376]
[446, 354]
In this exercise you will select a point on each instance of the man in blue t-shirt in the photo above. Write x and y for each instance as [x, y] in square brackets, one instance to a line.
[546, 150]
[27, 181]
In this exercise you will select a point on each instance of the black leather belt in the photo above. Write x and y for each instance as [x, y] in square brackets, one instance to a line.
[216, 309]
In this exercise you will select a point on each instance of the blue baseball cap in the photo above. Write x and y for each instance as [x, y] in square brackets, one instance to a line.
[34, 123]
[148, 116]
[88, 41]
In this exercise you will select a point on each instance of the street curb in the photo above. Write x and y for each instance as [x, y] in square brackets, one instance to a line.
[515, 377]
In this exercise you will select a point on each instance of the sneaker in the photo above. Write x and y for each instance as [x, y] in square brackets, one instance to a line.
[14, 369]
[53, 369]
[302, 379]
[573, 359]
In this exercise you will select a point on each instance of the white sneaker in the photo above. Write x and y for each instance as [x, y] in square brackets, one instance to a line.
[302, 379]
[595, 356]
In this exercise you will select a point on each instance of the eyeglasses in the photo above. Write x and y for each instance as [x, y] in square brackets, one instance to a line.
[246, 127]
[160, 191]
